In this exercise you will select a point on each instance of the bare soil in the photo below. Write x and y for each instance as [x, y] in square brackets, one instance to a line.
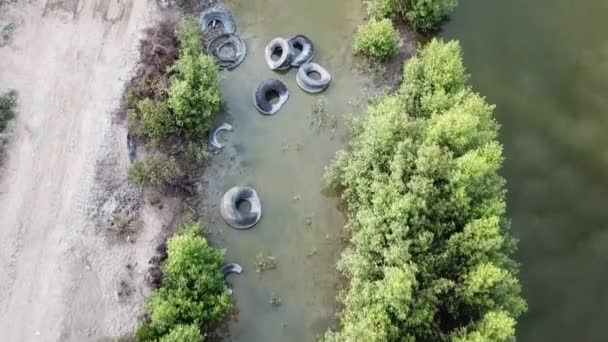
[75, 237]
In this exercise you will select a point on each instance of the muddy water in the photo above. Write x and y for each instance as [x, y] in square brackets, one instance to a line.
[545, 64]
[283, 158]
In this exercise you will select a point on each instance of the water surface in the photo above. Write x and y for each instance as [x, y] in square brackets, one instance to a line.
[545, 64]
[283, 158]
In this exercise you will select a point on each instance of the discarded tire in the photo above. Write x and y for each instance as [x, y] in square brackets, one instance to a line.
[280, 46]
[264, 93]
[309, 84]
[231, 268]
[213, 17]
[231, 213]
[213, 134]
[228, 50]
[302, 49]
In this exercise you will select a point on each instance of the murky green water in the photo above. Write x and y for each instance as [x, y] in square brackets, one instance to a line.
[545, 64]
[283, 158]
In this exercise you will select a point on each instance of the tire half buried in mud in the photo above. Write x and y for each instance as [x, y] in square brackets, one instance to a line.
[229, 208]
[266, 91]
[228, 50]
[280, 46]
[309, 84]
[212, 17]
[302, 48]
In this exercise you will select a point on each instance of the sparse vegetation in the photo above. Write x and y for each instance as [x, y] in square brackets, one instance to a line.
[158, 171]
[275, 300]
[265, 262]
[6, 34]
[170, 103]
[430, 253]
[193, 296]
[7, 108]
[377, 39]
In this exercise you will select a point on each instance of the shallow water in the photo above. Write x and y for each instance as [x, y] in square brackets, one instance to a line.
[283, 158]
[545, 64]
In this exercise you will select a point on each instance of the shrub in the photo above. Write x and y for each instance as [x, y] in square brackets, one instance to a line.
[435, 79]
[380, 9]
[430, 252]
[188, 34]
[195, 94]
[183, 333]
[193, 293]
[157, 171]
[151, 119]
[7, 108]
[377, 39]
[425, 15]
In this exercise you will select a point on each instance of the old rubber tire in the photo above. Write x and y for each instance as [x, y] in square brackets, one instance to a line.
[309, 84]
[304, 45]
[284, 61]
[212, 16]
[226, 40]
[213, 134]
[230, 211]
[261, 102]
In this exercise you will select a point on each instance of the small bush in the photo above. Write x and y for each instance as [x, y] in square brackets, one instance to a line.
[151, 119]
[7, 108]
[380, 9]
[377, 39]
[158, 171]
[193, 293]
[426, 15]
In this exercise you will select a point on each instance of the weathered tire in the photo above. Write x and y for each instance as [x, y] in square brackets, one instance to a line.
[230, 212]
[210, 17]
[213, 134]
[284, 62]
[307, 50]
[231, 268]
[309, 84]
[235, 57]
[259, 97]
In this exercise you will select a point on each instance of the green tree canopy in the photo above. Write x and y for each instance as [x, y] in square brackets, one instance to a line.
[193, 292]
[430, 253]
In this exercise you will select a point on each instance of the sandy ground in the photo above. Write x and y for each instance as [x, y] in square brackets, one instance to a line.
[61, 277]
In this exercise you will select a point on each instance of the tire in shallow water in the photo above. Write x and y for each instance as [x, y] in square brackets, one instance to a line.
[231, 213]
[214, 16]
[284, 60]
[304, 45]
[231, 268]
[213, 134]
[228, 50]
[263, 90]
[309, 84]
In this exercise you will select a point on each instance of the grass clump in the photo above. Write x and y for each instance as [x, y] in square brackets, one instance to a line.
[430, 254]
[193, 298]
[377, 39]
[265, 262]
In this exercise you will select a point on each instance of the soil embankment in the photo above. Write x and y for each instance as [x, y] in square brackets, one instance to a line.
[64, 177]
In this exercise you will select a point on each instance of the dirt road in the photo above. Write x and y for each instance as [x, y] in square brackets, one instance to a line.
[60, 278]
